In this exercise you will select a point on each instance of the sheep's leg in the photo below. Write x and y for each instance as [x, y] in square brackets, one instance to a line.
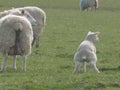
[96, 5]
[77, 64]
[37, 42]
[33, 41]
[93, 65]
[24, 57]
[14, 63]
[84, 66]
[4, 61]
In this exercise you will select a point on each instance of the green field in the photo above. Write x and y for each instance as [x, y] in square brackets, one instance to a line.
[50, 66]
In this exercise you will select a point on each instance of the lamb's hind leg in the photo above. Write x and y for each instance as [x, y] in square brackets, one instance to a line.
[4, 61]
[93, 65]
[77, 64]
[24, 58]
[93, 61]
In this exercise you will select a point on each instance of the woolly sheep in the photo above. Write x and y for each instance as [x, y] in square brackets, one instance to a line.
[87, 52]
[38, 14]
[16, 36]
[40, 17]
[88, 4]
[19, 13]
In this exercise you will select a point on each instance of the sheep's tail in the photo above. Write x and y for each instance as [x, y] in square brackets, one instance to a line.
[84, 58]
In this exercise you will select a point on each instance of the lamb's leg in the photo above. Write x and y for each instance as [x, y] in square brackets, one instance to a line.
[24, 58]
[84, 66]
[93, 65]
[4, 61]
[77, 64]
[14, 63]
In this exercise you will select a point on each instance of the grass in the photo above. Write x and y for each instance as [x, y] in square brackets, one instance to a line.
[50, 66]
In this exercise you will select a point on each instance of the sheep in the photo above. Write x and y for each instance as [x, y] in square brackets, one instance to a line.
[86, 52]
[40, 17]
[38, 14]
[88, 4]
[16, 37]
[19, 13]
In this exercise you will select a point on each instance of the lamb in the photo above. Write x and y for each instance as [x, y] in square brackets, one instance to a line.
[16, 37]
[88, 4]
[40, 16]
[87, 52]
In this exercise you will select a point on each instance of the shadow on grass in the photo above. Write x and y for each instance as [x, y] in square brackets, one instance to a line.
[64, 56]
[112, 9]
[110, 69]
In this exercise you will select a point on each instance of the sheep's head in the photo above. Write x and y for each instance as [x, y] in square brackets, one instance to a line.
[24, 13]
[28, 16]
[93, 36]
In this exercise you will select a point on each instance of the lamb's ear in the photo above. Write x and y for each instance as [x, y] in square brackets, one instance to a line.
[89, 32]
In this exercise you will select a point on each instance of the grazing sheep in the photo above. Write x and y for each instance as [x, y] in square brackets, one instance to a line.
[88, 4]
[38, 14]
[16, 37]
[40, 17]
[19, 13]
[87, 52]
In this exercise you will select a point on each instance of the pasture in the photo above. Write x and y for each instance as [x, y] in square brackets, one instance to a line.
[50, 66]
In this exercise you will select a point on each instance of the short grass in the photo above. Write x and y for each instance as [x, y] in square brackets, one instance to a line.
[50, 66]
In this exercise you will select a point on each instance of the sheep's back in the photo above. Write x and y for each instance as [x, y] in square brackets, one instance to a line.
[85, 50]
[9, 27]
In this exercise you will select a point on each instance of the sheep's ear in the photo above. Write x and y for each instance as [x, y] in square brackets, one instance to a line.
[22, 11]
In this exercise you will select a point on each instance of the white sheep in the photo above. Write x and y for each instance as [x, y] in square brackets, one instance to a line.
[88, 4]
[87, 52]
[19, 13]
[16, 37]
[40, 16]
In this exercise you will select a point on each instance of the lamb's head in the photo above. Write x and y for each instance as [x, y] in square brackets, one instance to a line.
[24, 14]
[93, 36]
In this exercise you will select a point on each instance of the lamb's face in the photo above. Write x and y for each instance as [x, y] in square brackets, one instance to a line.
[96, 38]
[93, 36]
